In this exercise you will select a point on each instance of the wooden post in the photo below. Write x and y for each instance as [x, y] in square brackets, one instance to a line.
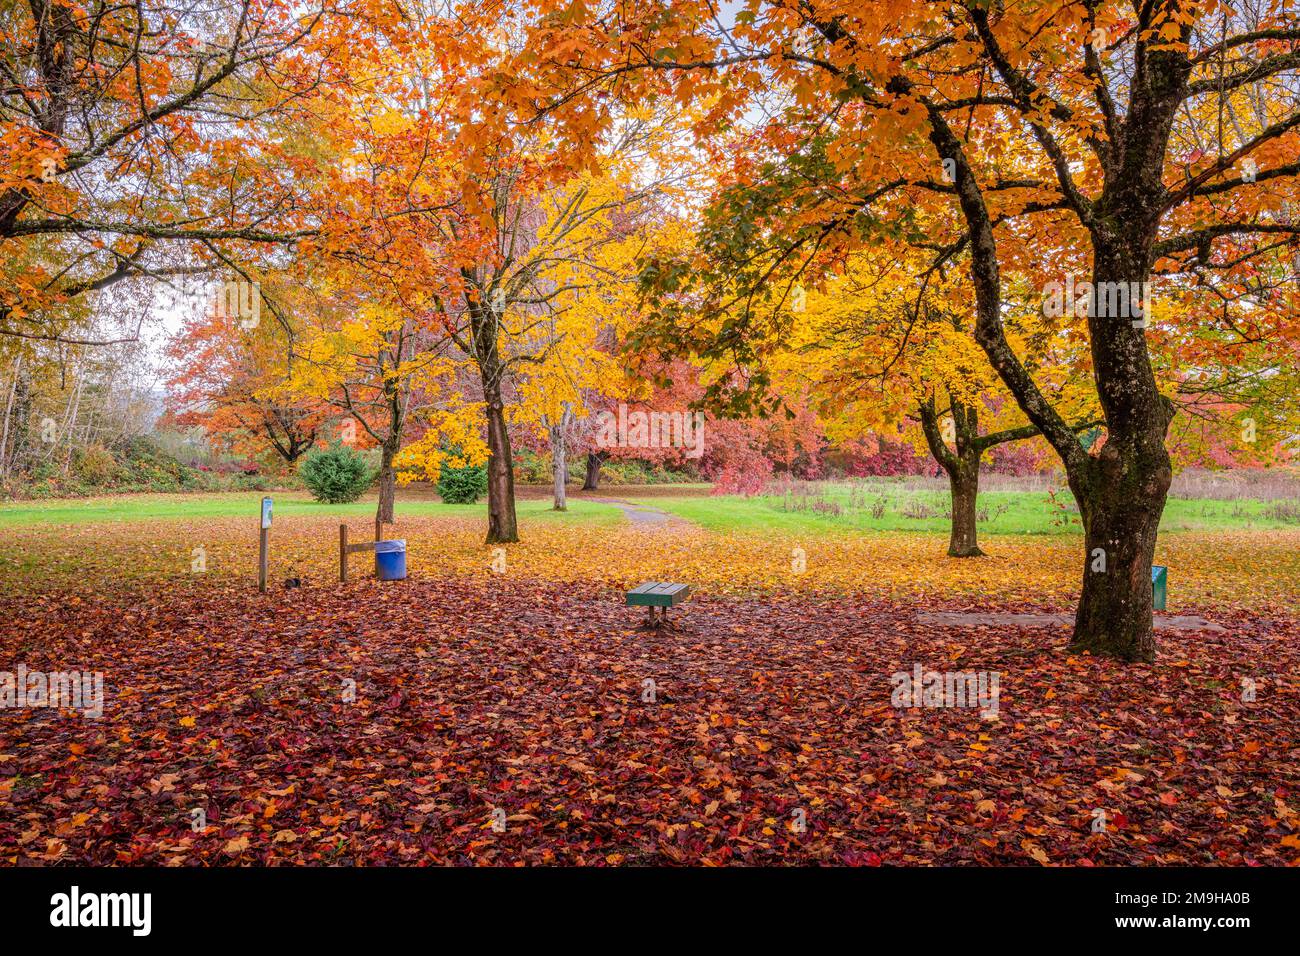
[345, 549]
[343, 554]
[261, 559]
[264, 545]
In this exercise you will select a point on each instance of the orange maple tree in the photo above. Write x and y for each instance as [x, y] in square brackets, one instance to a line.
[1049, 136]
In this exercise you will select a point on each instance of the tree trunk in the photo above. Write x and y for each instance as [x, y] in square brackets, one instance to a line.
[70, 421]
[594, 460]
[1120, 508]
[962, 465]
[1122, 490]
[559, 467]
[395, 398]
[282, 426]
[964, 483]
[503, 526]
[22, 419]
[387, 484]
[9, 407]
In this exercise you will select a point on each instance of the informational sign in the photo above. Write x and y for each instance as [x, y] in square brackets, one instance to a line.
[266, 512]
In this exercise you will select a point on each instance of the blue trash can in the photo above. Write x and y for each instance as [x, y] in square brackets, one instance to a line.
[390, 560]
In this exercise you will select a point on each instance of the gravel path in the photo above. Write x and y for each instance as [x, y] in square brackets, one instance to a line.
[641, 516]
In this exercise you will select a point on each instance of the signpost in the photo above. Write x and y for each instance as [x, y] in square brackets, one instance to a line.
[264, 545]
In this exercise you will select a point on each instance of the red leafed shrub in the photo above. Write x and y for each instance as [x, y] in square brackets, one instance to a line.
[877, 455]
[744, 473]
[1020, 458]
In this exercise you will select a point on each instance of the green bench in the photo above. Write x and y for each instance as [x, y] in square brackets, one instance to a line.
[657, 594]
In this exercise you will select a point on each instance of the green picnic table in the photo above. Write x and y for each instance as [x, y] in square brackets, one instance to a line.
[657, 594]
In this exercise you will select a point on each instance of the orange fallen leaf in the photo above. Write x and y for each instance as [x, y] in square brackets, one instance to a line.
[236, 846]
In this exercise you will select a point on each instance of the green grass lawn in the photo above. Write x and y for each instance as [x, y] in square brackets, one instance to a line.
[233, 504]
[1006, 512]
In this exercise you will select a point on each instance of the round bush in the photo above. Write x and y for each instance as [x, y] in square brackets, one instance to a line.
[96, 465]
[462, 486]
[336, 474]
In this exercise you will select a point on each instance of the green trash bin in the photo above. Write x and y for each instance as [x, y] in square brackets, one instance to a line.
[1159, 586]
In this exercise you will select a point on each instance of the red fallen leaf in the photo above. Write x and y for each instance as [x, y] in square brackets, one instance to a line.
[602, 773]
[674, 854]
[859, 858]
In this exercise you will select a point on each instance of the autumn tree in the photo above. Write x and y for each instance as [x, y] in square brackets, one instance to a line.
[580, 289]
[127, 144]
[386, 372]
[61, 405]
[925, 102]
[362, 297]
[874, 346]
[551, 268]
[224, 377]
[878, 354]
